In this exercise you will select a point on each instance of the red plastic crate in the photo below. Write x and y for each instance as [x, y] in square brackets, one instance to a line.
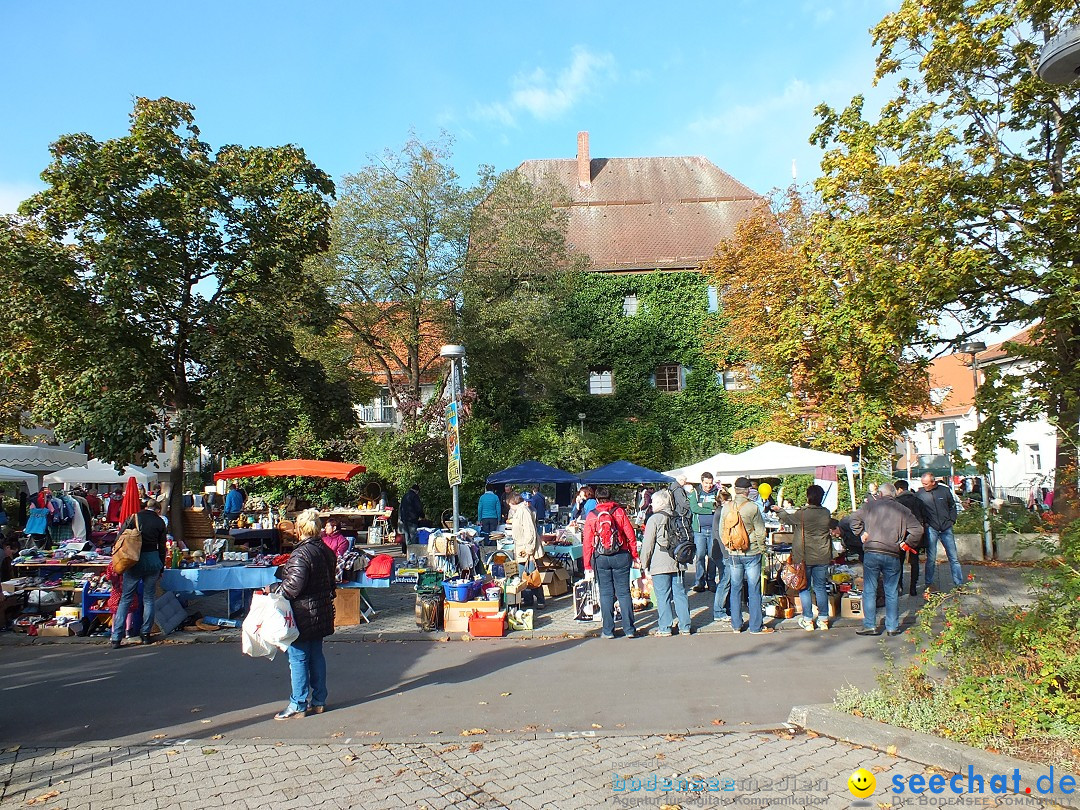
[490, 625]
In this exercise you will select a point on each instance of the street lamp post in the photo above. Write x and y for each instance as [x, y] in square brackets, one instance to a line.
[973, 348]
[581, 421]
[456, 355]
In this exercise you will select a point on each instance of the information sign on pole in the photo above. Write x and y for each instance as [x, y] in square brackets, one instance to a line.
[453, 449]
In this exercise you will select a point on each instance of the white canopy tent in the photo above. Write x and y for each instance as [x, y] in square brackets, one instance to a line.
[711, 465]
[98, 472]
[774, 458]
[39, 458]
[29, 479]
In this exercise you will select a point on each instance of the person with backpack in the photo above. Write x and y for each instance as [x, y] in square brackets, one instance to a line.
[742, 531]
[609, 547]
[659, 553]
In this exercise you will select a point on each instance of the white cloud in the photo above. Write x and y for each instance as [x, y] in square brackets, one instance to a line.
[11, 194]
[544, 96]
[797, 97]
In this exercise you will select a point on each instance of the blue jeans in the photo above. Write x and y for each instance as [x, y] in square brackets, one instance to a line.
[746, 568]
[874, 566]
[945, 536]
[704, 565]
[307, 666]
[131, 585]
[612, 572]
[720, 608]
[669, 588]
[815, 585]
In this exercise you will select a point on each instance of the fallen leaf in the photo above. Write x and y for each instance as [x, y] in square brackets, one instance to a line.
[661, 756]
[812, 735]
[378, 746]
[434, 732]
[449, 748]
[745, 723]
[505, 694]
[218, 737]
[399, 772]
[783, 735]
[171, 753]
[671, 807]
[337, 734]
[44, 797]
[209, 751]
[530, 727]
[879, 768]
[857, 713]
[476, 747]
[483, 703]
[891, 750]
[158, 737]
[717, 722]
[196, 710]
[204, 722]
[597, 725]
[472, 732]
[620, 725]
[349, 757]
[674, 737]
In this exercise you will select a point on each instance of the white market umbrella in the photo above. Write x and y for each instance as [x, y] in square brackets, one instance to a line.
[29, 479]
[39, 457]
[98, 472]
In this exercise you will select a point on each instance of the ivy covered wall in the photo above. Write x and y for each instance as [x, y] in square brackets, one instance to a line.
[654, 428]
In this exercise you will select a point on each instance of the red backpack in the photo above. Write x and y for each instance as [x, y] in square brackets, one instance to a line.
[606, 540]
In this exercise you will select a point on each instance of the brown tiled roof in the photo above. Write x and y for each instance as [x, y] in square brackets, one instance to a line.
[648, 212]
[953, 371]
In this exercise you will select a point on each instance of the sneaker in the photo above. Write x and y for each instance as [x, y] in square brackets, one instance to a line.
[606, 635]
[699, 588]
[762, 631]
[317, 709]
[735, 629]
[722, 619]
[822, 624]
[288, 713]
[116, 643]
[145, 638]
[807, 625]
[662, 633]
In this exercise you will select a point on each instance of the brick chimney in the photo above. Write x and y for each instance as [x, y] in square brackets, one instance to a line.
[584, 169]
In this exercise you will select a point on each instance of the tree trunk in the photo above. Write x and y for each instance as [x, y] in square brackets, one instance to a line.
[1066, 498]
[175, 491]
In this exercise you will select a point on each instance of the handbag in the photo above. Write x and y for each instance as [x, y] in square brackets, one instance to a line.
[127, 548]
[793, 574]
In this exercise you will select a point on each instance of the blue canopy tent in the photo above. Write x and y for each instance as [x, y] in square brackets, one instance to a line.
[624, 472]
[532, 472]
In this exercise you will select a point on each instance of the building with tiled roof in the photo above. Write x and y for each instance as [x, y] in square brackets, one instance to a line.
[645, 213]
[944, 425]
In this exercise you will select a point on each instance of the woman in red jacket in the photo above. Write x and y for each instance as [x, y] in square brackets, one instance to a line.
[609, 547]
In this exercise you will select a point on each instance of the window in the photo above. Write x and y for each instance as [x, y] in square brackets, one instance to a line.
[714, 301]
[601, 382]
[630, 306]
[1034, 458]
[668, 377]
[731, 380]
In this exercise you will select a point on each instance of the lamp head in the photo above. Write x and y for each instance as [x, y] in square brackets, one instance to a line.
[973, 347]
[452, 351]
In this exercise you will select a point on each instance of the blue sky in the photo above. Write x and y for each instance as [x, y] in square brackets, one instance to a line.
[731, 80]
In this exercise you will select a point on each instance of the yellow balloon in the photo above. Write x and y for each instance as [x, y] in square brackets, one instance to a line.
[764, 490]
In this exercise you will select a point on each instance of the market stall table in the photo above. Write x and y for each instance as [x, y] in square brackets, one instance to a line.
[239, 580]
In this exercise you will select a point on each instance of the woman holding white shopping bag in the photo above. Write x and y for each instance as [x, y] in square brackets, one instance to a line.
[307, 581]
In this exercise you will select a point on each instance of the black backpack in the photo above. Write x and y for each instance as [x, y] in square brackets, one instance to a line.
[677, 539]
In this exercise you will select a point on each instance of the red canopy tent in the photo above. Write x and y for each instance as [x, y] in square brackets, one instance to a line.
[293, 467]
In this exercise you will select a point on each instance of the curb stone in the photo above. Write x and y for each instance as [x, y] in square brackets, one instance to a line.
[924, 749]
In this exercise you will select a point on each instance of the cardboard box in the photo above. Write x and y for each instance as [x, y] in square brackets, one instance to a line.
[59, 632]
[556, 582]
[851, 606]
[346, 607]
[456, 614]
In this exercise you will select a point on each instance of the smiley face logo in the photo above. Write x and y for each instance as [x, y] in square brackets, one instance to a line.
[861, 783]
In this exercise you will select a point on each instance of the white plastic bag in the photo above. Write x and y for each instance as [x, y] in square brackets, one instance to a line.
[269, 626]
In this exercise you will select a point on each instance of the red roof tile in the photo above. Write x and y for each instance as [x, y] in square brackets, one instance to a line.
[648, 212]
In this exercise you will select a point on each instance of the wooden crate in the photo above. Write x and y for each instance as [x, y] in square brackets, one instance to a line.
[347, 607]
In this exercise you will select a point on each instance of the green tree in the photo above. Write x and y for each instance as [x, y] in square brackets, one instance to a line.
[395, 264]
[819, 320]
[522, 354]
[192, 264]
[972, 170]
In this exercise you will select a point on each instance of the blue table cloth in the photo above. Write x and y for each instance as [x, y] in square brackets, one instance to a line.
[217, 578]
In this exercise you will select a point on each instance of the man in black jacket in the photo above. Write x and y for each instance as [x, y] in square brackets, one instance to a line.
[888, 530]
[409, 514]
[939, 505]
[908, 499]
